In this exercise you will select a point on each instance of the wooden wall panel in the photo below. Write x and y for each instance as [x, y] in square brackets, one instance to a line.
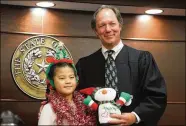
[67, 23]
[77, 23]
[174, 115]
[19, 19]
[154, 27]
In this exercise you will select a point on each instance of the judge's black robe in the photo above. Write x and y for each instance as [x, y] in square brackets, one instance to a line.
[138, 74]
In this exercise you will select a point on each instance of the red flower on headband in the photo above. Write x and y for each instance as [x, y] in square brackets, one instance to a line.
[53, 60]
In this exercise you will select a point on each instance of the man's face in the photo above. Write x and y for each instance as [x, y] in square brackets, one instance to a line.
[108, 28]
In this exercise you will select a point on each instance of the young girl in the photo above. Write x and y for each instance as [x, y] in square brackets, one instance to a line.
[65, 105]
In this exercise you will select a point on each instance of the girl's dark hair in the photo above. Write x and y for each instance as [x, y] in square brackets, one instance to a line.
[51, 73]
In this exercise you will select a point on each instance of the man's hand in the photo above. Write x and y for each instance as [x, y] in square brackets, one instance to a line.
[125, 119]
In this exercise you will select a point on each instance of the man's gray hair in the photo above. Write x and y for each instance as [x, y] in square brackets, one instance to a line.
[114, 9]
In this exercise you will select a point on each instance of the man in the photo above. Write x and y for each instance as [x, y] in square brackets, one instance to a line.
[137, 72]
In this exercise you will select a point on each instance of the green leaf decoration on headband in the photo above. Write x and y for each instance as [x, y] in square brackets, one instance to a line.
[50, 79]
[60, 53]
[77, 78]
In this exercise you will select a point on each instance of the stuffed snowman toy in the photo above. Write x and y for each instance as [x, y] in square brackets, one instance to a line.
[105, 102]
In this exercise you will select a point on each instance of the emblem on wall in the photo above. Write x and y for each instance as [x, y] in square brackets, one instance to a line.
[28, 64]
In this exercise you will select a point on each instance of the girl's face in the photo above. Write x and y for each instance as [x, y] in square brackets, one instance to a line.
[65, 80]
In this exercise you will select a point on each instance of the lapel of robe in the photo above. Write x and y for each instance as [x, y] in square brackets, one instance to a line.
[123, 71]
[99, 74]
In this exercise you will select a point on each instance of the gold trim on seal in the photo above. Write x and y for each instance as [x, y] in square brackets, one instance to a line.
[28, 64]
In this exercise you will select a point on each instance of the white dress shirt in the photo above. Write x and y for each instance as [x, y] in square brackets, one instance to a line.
[116, 50]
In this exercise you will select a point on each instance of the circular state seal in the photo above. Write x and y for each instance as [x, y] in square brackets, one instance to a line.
[28, 64]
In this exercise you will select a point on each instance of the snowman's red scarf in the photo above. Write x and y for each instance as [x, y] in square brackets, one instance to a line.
[82, 115]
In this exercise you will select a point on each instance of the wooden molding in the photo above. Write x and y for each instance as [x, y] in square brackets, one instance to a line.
[92, 37]
[15, 100]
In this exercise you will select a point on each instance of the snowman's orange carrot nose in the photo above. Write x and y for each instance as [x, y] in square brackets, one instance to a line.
[104, 91]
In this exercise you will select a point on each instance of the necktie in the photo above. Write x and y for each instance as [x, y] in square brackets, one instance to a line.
[111, 79]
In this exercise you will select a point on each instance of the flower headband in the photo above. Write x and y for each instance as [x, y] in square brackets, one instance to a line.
[60, 57]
